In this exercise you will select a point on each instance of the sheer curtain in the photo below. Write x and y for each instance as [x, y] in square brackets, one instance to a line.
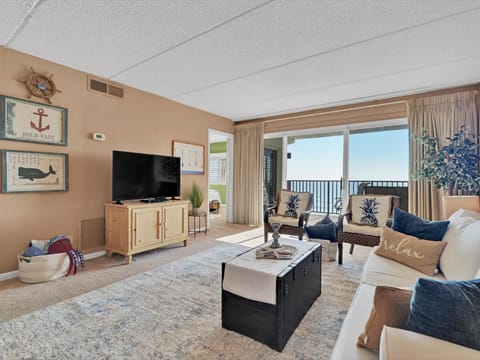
[441, 116]
[248, 174]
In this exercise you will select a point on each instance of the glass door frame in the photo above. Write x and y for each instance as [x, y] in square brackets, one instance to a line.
[345, 129]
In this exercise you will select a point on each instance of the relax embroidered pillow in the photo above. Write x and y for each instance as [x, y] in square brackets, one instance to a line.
[292, 204]
[372, 210]
[421, 255]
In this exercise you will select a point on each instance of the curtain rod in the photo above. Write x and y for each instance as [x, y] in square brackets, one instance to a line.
[373, 103]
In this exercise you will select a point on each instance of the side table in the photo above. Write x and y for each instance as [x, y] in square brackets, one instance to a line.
[197, 228]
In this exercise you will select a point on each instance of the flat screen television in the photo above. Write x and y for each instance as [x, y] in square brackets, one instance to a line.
[146, 177]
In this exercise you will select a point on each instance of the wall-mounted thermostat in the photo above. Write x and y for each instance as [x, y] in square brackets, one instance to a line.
[99, 137]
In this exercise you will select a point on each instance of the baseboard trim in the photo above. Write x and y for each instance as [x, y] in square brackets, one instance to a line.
[94, 255]
[9, 275]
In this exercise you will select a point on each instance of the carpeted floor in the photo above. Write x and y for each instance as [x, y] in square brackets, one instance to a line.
[171, 312]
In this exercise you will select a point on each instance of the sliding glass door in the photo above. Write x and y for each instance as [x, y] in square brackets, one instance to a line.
[333, 163]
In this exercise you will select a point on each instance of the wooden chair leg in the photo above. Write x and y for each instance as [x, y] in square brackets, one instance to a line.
[340, 253]
[351, 249]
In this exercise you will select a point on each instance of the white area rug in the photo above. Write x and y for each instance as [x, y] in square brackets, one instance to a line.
[171, 312]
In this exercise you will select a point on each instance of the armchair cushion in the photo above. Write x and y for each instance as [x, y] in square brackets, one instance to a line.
[362, 229]
[410, 224]
[284, 220]
[292, 204]
[372, 210]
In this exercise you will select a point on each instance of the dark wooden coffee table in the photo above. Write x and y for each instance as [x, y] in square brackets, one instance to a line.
[297, 288]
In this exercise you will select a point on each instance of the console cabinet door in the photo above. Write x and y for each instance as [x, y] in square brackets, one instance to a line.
[175, 218]
[146, 227]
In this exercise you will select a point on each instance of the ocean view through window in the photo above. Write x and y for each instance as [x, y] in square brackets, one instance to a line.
[376, 157]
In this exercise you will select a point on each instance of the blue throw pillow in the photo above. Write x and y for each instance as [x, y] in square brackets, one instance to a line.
[410, 224]
[323, 229]
[447, 310]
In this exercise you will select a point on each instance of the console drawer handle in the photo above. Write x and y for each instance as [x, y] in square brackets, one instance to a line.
[286, 289]
[305, 271]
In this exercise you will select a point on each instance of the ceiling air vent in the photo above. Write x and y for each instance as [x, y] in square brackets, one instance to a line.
[104, 87]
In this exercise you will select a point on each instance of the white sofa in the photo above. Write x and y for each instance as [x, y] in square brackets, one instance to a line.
[399, 343]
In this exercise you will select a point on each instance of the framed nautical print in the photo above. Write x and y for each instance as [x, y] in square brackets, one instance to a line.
[191, 157]
[24, 120]
[28, 171]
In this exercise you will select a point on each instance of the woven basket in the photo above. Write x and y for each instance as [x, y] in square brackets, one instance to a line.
[329, 249]
[42, 268]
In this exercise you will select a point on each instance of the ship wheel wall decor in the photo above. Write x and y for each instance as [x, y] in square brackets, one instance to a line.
[40, 86]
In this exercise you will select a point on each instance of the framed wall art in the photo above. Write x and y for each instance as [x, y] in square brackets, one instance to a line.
[24, 120]
[27, 171]
[191, 157]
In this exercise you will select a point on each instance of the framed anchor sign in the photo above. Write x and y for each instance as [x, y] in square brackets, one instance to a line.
[25, 120]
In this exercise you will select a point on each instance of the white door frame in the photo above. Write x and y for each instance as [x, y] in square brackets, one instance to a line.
[229, 180]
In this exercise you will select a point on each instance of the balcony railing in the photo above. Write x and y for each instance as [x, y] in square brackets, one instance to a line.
[328, 193]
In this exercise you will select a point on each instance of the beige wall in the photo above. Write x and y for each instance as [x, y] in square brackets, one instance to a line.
[140, 122]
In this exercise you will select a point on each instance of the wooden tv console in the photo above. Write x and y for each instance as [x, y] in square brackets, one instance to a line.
[135, 227]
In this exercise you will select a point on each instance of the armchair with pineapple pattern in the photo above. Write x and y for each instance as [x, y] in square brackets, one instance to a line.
[292, 211]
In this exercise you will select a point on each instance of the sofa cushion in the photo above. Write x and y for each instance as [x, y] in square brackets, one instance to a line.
[292, 204]
[371, 210]
[422, 255]
[410, 224]
[461, 258]
[400, 344]
[447, 310]
[379, 270]
[357, 316]
[390, 307]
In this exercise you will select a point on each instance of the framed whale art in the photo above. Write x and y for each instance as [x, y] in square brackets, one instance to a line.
[28, 171]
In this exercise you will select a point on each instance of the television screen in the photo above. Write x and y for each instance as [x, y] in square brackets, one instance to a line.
[144, 176]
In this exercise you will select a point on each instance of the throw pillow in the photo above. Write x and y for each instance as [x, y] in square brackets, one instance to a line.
[292, 204]
[390, 307]
[422, 255]
[447, 310]
[372, 210]
[322, 231]
[461, 258]
[410, 224]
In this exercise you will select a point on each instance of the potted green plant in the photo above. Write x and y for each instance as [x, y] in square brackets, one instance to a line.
[195, 196]
[452, 166]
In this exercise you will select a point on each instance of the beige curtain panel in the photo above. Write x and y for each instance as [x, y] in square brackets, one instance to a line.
[441, 116]
[248, 174]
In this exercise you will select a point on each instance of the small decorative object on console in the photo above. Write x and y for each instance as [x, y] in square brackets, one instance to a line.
[276, 227]
[284, 252]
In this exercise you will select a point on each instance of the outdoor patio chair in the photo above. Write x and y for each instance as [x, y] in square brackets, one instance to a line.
[292, 210]
[363, 220]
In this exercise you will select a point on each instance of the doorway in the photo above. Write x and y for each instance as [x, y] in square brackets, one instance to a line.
[220, 176]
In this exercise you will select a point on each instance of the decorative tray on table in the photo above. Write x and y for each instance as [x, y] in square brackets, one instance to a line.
[285, 252]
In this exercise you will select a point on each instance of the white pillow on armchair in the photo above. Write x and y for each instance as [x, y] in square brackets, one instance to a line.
[371, 210]
[292, 204]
